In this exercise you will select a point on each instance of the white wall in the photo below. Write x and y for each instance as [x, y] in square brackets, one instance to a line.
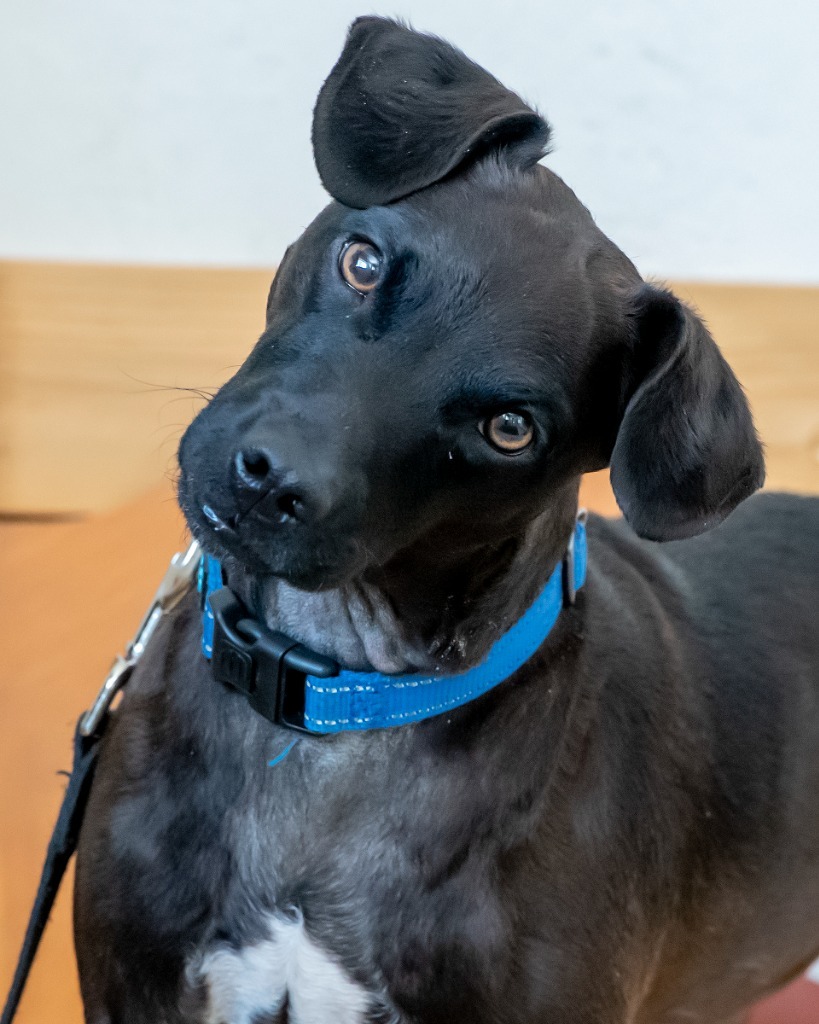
[178, 130]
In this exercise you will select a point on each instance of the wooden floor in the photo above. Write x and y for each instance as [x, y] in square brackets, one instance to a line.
[74, 432]
[71, 595]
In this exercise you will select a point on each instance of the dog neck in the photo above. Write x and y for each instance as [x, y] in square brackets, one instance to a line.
[419, 613]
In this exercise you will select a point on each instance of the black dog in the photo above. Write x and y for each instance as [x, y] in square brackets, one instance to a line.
[622, 832]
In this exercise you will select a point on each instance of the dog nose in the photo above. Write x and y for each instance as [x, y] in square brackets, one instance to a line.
[254, 468]
[257, 475]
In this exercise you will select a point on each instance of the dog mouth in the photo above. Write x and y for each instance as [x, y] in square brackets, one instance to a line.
[279, 549]
[218, 524]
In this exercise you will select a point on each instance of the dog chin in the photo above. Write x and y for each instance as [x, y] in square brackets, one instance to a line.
[259, 557]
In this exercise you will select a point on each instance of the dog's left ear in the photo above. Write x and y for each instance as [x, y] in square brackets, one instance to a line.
[401, 110]
[686, 452]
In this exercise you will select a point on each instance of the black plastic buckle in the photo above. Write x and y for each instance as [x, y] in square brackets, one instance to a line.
[267, 667]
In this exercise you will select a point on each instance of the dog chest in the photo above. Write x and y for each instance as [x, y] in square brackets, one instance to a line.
[287, 971]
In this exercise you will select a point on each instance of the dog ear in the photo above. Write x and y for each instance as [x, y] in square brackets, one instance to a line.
[686, 453]
[401, 110]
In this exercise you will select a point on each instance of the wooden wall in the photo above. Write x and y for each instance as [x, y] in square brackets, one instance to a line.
[90, 357]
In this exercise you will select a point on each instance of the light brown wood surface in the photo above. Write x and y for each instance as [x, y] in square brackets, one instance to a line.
[90, 355]
[79, 434]
[71, 596]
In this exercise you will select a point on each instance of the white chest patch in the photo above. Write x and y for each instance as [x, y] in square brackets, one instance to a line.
[246, 984]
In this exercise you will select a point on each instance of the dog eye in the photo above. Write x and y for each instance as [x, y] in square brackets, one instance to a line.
[360, 266]
[509, 432]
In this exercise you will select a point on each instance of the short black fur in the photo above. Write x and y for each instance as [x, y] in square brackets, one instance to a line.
[624, 832]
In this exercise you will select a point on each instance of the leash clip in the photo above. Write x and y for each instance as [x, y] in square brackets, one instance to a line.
[176, 582]
[268, 668]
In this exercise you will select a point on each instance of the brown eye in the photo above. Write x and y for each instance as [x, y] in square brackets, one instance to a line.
[360, 266]
[509, 432]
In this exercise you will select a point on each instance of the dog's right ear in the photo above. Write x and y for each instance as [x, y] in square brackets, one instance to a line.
[402, 110]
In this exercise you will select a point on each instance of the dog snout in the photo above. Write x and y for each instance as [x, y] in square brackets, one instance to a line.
[259, 480]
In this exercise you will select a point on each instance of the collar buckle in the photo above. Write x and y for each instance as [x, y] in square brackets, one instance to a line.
[569, 571]
[268, 668]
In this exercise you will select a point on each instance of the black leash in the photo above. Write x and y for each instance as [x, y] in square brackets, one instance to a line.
[176, 583]
[61, 848]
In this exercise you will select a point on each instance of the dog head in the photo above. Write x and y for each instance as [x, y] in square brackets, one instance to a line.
[450, 345]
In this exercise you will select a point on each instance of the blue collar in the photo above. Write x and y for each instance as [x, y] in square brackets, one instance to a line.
[293, 686]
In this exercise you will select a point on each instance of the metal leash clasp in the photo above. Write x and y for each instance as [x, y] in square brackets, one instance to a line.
[176, 582]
